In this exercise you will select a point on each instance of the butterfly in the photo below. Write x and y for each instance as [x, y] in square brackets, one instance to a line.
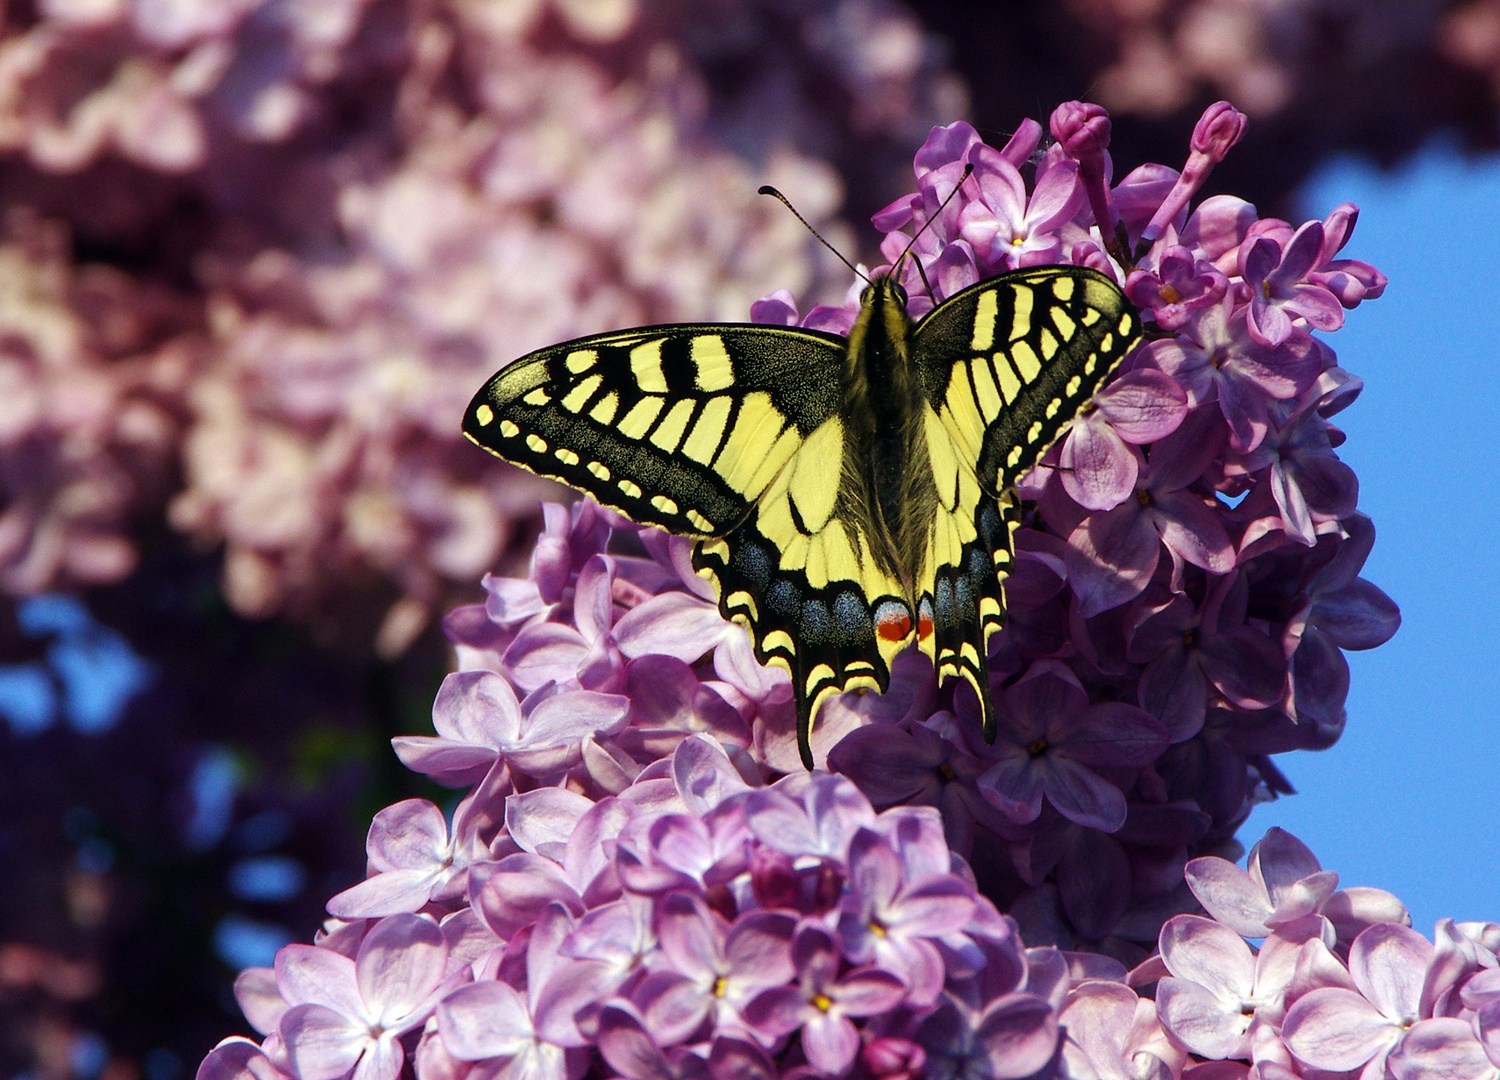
[846, 496]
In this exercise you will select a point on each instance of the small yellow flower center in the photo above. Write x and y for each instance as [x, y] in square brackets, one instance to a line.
[822, 1002]
[1038, 748]
[877, 927]
[1144, 498]
[1170, 295]
[946, 771]
[721, 986]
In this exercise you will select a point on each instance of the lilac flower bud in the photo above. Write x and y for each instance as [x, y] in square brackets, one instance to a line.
[1082, 130]
[1218, 129]
[773, 879]
[893, 1059]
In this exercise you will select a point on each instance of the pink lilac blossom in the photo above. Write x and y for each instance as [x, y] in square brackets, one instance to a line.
[641, 878]
[758, 977]
[1163, 57]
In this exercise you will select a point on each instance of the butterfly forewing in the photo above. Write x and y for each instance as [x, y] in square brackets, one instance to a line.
[682, 427]
[1008, 363]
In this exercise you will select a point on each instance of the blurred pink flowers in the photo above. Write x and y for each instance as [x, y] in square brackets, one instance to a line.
[394, 200]
[92, 371]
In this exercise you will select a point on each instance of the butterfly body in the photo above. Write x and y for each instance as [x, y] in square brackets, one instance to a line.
[848, 496]
[883, 402]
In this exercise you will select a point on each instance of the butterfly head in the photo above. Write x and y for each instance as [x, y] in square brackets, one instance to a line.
[882, 291]
[883, 326]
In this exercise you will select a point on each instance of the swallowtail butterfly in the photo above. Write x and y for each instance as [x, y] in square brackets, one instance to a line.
[847, 496]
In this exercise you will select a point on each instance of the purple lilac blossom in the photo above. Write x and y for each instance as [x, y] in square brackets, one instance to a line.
[641, 878]
[1332, 982]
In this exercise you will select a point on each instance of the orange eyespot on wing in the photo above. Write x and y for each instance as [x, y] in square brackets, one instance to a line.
[924, 622]
[893, 622]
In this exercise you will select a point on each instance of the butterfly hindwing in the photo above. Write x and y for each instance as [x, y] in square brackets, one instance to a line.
[968, 557]
[964, 563]
[682, 427]
[802, 575]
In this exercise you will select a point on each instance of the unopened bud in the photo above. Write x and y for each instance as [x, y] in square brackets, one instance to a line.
[1082, 129]
[1219, 128]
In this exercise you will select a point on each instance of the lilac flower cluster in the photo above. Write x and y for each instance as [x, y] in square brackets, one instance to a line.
[682, 919]
[696, 926]
[1340, 985]
[1189, 573]
[640, 877]
[93, 368]
[322, 446]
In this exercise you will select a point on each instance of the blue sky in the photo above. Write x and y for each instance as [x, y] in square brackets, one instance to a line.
[1409, 798]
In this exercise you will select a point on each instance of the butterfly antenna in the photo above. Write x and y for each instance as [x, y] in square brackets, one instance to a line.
[968, 171]
[767, 189]
[921, 273]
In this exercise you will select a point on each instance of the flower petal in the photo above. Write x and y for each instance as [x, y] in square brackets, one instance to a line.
[1389, 964]
[672, 624]
[1082, 795]
[1336, 1029]
[1201, 1020]
[1230, 895]
[1210, 955]
[1018, 1034]
[484, 1020]
[1098, 471]
[401, 962]
[322, 1044]
[308, 973]
[1111, 556]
